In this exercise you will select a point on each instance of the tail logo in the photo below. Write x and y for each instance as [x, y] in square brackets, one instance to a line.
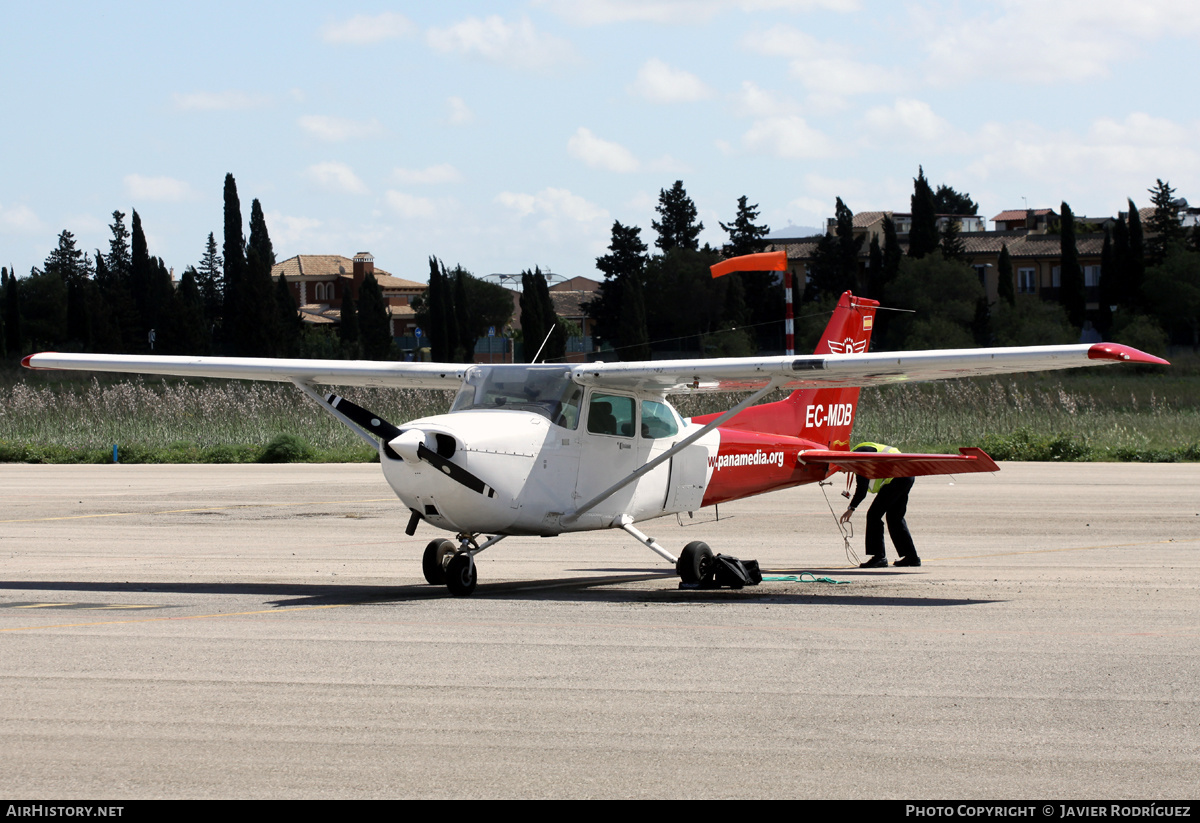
[848, 346]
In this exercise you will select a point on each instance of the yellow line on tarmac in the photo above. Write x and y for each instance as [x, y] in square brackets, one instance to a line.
[204, 509]
[179, 617]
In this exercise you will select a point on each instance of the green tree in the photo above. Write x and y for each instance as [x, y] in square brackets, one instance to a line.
[1072, 293]
[209, 277]
[1031, 321]
[1173, 295]
[233, 258]
[257, 320]
[1135, 263]
[952, 243]
[12, 316]
[745, 236]
[1108, 289]
[291, 326]
[947, 201]
[944, 296]
[1164, 225]
[633, 338]
[348, 327]
[923, 237]
[678, 227]
[489, 305]
[375, 325]
[1004, 277]
[626, 259]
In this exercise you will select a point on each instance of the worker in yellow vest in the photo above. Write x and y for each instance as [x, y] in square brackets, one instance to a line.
[891, 500]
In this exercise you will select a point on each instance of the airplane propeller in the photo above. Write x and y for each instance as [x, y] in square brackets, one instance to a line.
[410, 443]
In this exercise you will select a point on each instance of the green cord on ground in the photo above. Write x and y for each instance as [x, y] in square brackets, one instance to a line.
[803, 577]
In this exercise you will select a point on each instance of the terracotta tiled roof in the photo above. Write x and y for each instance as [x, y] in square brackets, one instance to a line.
[388, 282]
[868, 218]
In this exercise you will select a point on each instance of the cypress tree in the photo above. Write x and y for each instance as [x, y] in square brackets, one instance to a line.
[1108, 284]
[12, 315]
[532, 329]
[348, 329]
[1004, 277]
[1072, 294]
[923, 236]
[291, 326]
[1135, 264]
[258, 318]
[375, 326]
[556, 346]
[233, 254]
[139, 288]
[462, 316]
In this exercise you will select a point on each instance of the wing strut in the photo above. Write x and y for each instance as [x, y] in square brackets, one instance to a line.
[671, 452]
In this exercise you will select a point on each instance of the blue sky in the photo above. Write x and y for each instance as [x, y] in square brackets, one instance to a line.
[504, 136]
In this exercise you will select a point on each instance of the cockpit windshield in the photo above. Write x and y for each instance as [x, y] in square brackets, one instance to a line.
[543, 389]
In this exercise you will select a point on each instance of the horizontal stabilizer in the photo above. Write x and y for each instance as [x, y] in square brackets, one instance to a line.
[874, 465]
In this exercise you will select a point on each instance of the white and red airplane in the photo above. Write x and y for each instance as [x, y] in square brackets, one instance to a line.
[545, 449]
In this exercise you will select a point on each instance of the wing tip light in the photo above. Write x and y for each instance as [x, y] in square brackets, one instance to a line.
[1121, 353]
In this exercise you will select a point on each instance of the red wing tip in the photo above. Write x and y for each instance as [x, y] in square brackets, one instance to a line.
[27, 361]
[1123, 354]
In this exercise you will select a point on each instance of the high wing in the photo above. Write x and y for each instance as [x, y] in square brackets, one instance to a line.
[872, 465]
[834, 370]
[378, 374]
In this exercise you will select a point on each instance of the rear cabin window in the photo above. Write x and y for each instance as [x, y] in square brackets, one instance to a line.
[658, 420]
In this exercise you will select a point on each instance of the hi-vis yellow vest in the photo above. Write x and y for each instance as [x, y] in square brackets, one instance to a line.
[879, 482]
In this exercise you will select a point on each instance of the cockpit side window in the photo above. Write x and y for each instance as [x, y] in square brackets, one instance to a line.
[611, 414]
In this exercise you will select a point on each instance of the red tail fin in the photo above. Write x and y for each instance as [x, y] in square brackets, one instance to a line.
[824, 416]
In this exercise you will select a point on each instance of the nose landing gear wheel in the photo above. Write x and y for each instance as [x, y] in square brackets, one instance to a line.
[461, 575]
[694, 563]
[433, 562]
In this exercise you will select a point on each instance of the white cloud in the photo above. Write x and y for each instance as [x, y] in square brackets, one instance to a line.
[336, 177]
[752, 101]
[601, 154]
[906, 119]
[686, 12]
[558, 214]
[517, 45]
[406, 205]
[826, 69]
[365, 28]
[1112, 160]
[1046, 43]
[163, 189]
[289, 231]
[460, 115]
[789, 137]
[432, 175]
[337, 129]
[19, 220]
[218, 101]
[659, 83]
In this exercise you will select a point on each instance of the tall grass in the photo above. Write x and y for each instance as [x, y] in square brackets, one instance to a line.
[1115, 414]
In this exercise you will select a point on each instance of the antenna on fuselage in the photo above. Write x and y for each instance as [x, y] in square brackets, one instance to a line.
[544, 342]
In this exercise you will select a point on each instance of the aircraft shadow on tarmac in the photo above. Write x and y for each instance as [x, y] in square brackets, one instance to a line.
[592, 588]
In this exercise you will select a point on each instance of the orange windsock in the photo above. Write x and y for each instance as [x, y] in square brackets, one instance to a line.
[764, 261]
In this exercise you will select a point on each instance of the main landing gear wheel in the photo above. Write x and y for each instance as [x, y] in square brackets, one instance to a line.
[695, 562]
[461, 575]
[433, 562]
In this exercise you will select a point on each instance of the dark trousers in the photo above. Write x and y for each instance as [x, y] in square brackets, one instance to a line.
[892, 502]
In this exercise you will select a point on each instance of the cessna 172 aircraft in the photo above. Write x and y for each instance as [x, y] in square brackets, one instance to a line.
[544, 449]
